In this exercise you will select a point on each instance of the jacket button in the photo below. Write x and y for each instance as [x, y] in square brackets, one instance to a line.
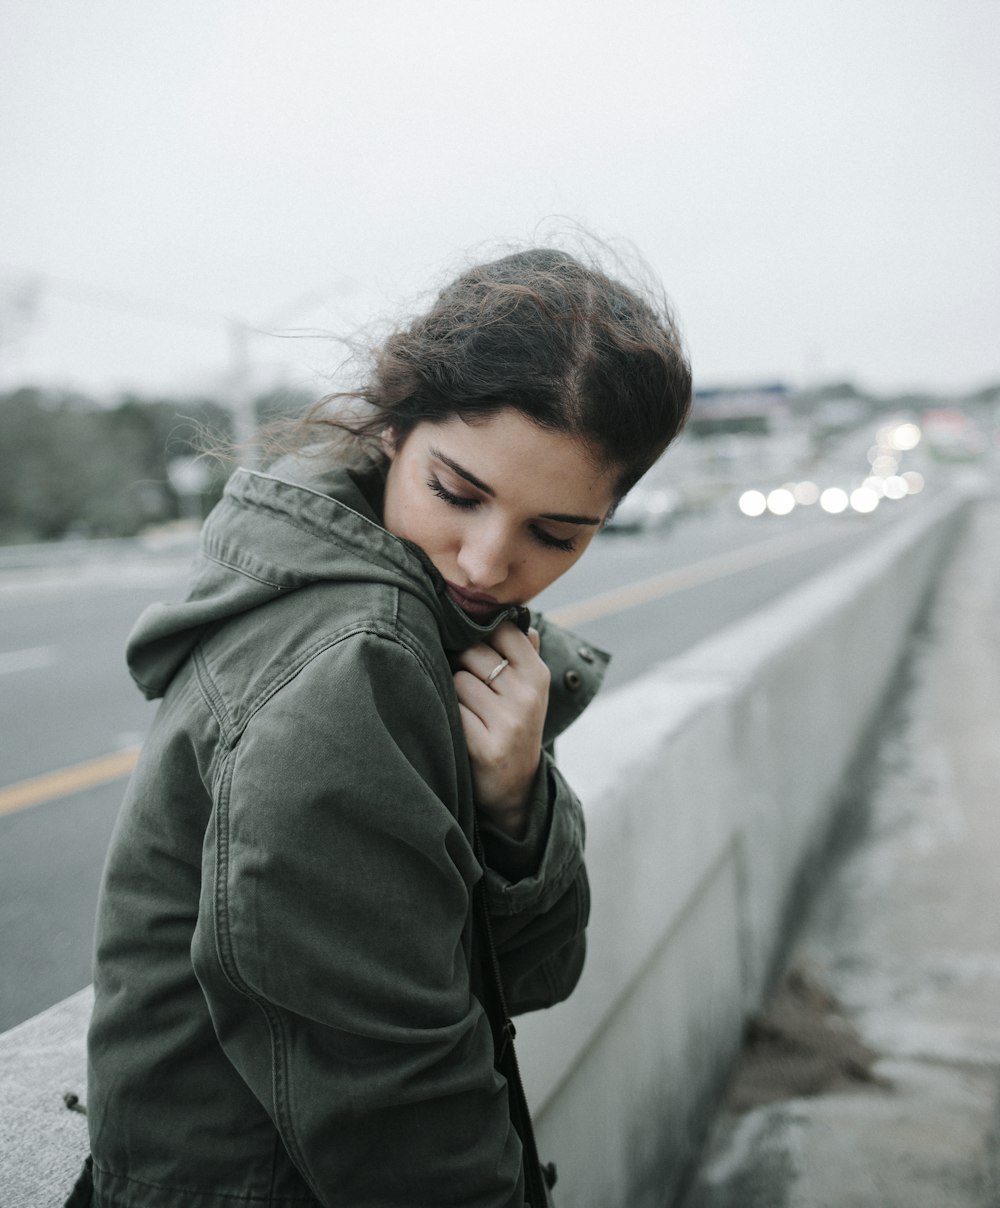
[572, 680]
[586, 654]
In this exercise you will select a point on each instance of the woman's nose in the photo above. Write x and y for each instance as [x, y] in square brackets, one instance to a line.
[485, 559]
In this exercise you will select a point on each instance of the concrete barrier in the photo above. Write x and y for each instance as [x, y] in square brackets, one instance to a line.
[709, 785]
[42, 1142]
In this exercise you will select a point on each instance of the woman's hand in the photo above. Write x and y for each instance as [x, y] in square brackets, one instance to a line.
[503, 712]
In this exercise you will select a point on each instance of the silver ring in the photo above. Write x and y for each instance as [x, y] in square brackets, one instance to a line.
[496, 671]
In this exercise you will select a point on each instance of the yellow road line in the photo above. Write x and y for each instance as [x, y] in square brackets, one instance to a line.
[106, 768]
[641, 592]
[67, 780]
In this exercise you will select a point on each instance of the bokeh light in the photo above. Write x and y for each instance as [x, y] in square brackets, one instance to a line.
[884, 465]
[894, 487]
[914, 481]
[905, 437]
[780, 501]
[806, 493]
[864, 500]
[833, 500]
[753, 503]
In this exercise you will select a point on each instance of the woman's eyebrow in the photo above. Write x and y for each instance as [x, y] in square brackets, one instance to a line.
[564, 519]
[462, 472]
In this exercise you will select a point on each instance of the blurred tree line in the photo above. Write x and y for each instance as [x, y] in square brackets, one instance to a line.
[70, 466]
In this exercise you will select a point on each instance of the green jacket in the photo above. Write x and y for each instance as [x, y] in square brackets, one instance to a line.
[288, 989]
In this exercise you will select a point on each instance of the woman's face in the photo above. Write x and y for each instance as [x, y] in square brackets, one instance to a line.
[501, 507]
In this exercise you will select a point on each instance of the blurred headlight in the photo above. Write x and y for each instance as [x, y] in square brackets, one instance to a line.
[885, 465]
[780, 501]
[833, 500]
[905, 437]
[753, 503]
[864, 500]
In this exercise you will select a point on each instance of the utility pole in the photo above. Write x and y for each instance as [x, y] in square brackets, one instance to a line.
[240, 334]
[240, 400]
[20, 303]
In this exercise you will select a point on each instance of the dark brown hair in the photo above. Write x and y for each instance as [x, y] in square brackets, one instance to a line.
[559, 341]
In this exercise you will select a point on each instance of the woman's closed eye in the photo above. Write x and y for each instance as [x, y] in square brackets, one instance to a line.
[566, 544]
[456, 501]
[467, 502]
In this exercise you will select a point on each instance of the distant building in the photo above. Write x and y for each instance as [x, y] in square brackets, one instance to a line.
[752, 409]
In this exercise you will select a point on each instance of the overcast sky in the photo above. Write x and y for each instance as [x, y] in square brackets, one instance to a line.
[816, 182]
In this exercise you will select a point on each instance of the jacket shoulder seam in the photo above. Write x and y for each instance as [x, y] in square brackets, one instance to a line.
[241, 570]
[212, 695]
[230, 969]
[309, 654]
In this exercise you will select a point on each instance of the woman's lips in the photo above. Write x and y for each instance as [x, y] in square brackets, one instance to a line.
[479, 607]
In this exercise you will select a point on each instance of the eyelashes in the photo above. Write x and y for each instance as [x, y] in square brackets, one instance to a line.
[466, 504]
[456, 501]
[566, 544]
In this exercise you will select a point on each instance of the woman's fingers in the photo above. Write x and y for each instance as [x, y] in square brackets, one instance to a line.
[476, 696]
[508, 649]
[502, 689]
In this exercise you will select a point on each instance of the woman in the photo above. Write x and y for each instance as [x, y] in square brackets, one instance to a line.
[295, 996]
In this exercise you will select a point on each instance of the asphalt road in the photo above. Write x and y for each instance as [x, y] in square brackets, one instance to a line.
[67, 703]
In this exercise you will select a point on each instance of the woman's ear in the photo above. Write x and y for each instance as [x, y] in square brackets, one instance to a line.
[389, 441]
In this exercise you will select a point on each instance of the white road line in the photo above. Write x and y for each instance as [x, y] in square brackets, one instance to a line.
[27, 660]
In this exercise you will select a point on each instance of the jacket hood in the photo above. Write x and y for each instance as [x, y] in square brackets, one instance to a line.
[299, 524]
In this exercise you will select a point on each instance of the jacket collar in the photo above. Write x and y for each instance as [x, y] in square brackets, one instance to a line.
[342, 507]
[348, 504]
[300, 523]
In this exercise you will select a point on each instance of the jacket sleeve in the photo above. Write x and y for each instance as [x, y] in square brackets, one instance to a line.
[537, 889]
[538, 895]
[333, 939]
